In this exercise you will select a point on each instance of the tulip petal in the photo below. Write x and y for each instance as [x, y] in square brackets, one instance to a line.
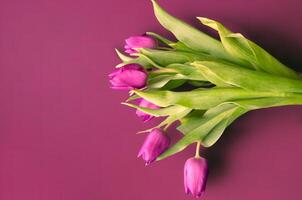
[195, 176]
[155, 143]
[131, 76]
[145, 104]
[141, 42]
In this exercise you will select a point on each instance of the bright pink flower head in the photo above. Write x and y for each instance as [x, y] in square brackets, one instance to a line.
[145, 104]
[128, 77]
[155, 144]
[195, 176]
[139, 42]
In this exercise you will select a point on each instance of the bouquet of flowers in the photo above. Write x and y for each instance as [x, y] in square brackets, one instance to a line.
[203, 83]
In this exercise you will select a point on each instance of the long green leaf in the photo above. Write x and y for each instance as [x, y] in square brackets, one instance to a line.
[177, 115]
[164, 58]
[211, 138]
[173, 84]
[201, 99]
[247, 79]
[182, 112]
[210, 128]
[158, 112]
[258, 103]
[188, 35]
[160, 38]
[243, 49]
[122, 56]
[141, 60]
[161, 81]
[188, 72]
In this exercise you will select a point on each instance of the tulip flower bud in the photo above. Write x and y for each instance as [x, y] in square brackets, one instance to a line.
[128, 77]
[145, 104]
[195, 176]
[139, 42]
[155, 144]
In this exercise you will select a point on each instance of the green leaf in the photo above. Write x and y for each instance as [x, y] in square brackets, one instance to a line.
[188, 35]
[148, 61]
[138, 58]
[122, 56]
[160, 81]
[258, 103]
[132, 98]
[179, 46]
[191, 121]
[210, 128]
[212, 137]
[201, 99]
[173, 84]
[164, 57]
[141, 60]
[175, 45]
[179, 113]
[160, 38]
[247, 51]
[200, 83]
[157, 112]
[189, 72]
[174, 74]
[182, 111]
[160, 72]
[247, 79]
[166, 81]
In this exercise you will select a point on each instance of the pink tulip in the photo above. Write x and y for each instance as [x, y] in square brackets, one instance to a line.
[155, 144]
[195, 176]
[145, 104]
[128, 77]
[139, 42]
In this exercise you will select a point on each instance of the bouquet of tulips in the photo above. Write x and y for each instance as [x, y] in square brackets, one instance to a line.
[203, 83]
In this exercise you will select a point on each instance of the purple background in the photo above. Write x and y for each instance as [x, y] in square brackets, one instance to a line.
[65, 136]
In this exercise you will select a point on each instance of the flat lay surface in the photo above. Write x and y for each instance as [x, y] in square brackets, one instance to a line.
[65, 135]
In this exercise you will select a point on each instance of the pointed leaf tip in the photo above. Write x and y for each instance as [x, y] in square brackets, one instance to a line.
[202, 18]
[188, 35]
[124, 103]
[122, 56]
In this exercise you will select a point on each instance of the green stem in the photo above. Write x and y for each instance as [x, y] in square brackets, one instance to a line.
[282, 99]
[197, 149]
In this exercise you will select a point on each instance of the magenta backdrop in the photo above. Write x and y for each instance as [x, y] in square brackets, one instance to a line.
[65, 136]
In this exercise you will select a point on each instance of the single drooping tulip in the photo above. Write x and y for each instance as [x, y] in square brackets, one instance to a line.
[195, 176]
[145, 104]
[154, 145]
[139, 42]
[128, 77]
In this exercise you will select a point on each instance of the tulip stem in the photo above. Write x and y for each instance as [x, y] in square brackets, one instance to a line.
[197, 149]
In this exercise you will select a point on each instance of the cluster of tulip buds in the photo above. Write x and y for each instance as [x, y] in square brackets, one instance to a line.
[201, 82]
[134, 76]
